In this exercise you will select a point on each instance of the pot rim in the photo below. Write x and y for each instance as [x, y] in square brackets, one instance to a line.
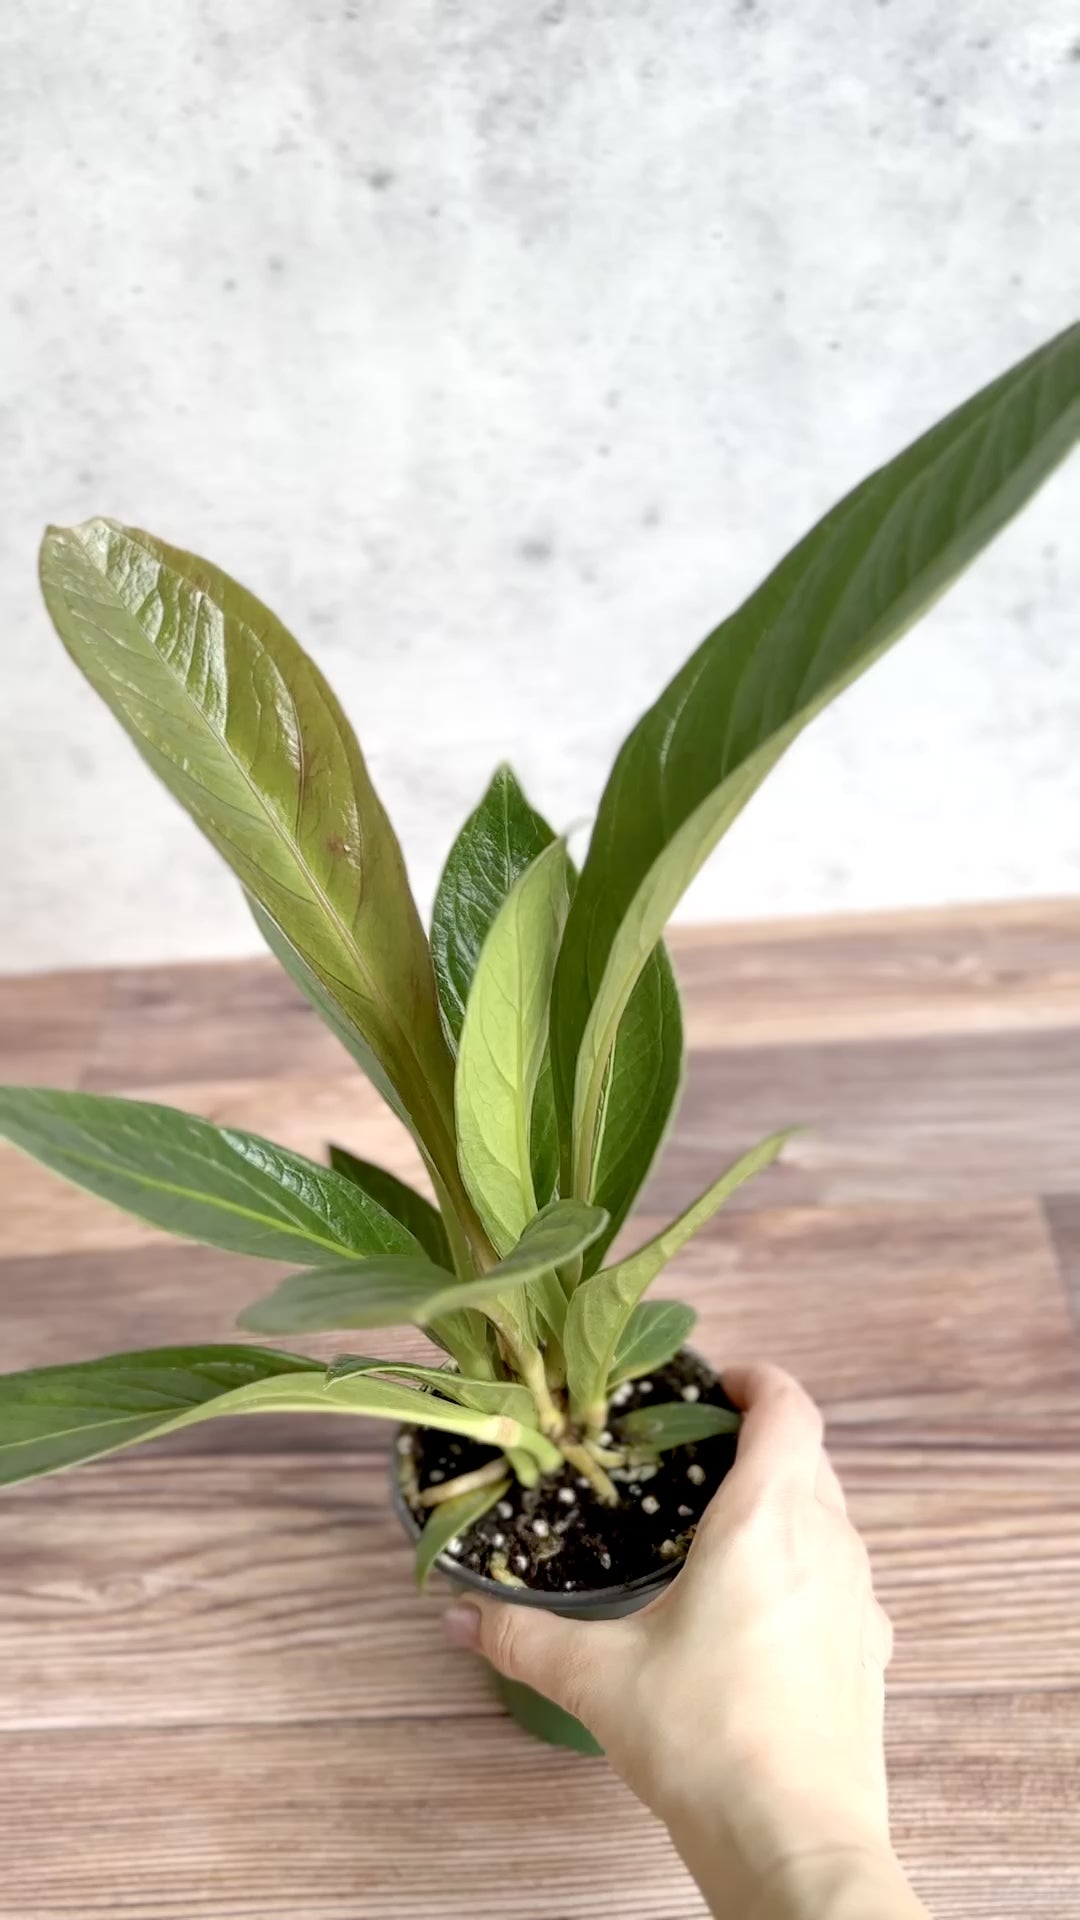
[581, 1599]
[591, 1600]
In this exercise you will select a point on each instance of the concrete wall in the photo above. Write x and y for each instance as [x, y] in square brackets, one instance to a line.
[502, 348]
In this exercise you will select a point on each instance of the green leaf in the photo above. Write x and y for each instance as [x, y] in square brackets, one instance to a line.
[544, 1136]
[502, 1047]
[450, 1519]
[215, 1184]
[465, 1334]
[328, 1009]
[384, 1400]
[641, 1095]
[462, 1228]
[228, 710]
[486, 1396]
[676, 1423]
[394, 1290]
[468, 1339]
[495, 846]
[395, 1196]
[651, 1337]
[53, 1417]
[600, 1308]
[399, 1290]
[499, 840]
[832, 607]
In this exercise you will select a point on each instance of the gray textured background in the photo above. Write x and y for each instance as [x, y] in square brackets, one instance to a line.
[502, 348]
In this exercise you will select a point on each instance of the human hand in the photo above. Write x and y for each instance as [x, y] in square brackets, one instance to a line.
[745, 1705]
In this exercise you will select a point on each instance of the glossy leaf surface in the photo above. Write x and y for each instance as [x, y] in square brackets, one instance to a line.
[241, 726]
[641, 1095]
[416, 1214]
[831, 608]
[502, 1047]
[499, 840]
[53, 1417]
[218, 1185]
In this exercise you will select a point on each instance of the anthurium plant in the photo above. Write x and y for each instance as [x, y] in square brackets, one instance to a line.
[532, 1045]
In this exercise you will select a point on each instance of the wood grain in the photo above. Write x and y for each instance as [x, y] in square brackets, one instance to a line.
[219, 1693]
[435, 1818]
[170, 1589]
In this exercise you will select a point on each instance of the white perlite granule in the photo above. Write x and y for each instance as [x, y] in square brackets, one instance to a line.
[650, 1504]
[696, 1474]
[691, 1393]
[567, 1496]
[541, 1529]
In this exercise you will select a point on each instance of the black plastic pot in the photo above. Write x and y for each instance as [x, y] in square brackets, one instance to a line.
[538, 1715]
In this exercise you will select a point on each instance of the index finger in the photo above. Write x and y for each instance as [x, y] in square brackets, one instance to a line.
[781, 1434]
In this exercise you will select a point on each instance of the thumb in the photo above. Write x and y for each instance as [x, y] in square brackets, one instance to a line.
[564, 1659]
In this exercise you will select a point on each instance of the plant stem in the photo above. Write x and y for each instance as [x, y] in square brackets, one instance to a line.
[485, 1476]
[605, 1490]
[570, 1274]
[528, 1364]
[554, 1364]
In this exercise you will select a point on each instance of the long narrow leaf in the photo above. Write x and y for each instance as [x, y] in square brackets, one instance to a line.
[600, 1308]
[219, 1185]
[499, 840]
[486, 1396]
[53, 1417]
[651, 1337]
[675, 1423]
[502, 1046]
[396, 1197]
[640, 1098]
[449, 1520]
[241, 726]
[832, 607]
[392, 1291]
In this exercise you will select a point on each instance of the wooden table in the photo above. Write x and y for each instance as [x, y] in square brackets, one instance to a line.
[219, 1696]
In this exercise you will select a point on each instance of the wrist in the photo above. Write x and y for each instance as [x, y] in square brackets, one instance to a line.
[773, 1857]
[837, 1883]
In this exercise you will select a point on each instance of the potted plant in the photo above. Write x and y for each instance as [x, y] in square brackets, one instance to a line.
[561, 1449]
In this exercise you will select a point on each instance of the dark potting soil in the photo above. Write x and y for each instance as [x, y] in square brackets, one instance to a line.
[557, 1537]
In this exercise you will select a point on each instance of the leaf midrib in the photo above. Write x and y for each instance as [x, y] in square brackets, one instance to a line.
[292, 847]
[158, 1185]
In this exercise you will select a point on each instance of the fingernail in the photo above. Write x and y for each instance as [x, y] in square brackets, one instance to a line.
[462, 1624]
